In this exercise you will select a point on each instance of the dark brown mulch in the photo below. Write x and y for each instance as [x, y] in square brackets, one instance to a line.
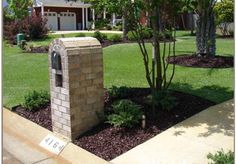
[202, 62]
[108, 142]
[41, 117]
[40, 49]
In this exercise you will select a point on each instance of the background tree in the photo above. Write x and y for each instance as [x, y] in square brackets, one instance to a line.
[224, 11]
[19, 8]
[206, 28]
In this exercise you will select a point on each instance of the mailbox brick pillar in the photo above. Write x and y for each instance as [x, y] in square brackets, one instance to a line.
[78, 100]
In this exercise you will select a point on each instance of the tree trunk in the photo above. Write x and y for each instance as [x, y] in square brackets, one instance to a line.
[192, 23]
[125, 26]
[205, 34]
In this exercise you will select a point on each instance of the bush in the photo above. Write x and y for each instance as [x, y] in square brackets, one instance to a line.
[34, 100]
[23, 44]
[101, 24]
[101, 37]
[126, 114]
[119, 92]
[131, 36]
[163, 99]
[115, 38]
[80, 35]
[221, 157]
[34, 27]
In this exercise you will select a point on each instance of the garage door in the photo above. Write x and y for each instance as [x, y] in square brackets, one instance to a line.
[52, 20]
[67, 21]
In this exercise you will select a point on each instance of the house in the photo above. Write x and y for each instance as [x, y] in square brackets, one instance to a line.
[64, 14]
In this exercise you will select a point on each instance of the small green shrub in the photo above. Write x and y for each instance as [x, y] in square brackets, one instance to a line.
[23, 44]
[119, 92]
[100, 36]
[101, 24]
[80, 35]
[34, 100]
[163, 99]
[147, 32]
[221, 157]
[126, 114]
[115, 38]
[130, 36]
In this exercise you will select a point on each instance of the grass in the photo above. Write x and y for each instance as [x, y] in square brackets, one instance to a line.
[123, 66]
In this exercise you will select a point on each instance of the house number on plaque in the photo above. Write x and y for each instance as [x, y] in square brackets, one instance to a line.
[52, 144]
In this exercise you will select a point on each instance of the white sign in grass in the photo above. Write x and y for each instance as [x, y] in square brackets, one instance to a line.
[52, 144]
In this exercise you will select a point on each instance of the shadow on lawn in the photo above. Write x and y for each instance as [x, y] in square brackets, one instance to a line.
[214, 120]
[214, 93]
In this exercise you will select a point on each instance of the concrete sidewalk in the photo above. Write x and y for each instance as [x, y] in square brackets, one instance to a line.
[84, 31]
[189, 141]
[21, 140]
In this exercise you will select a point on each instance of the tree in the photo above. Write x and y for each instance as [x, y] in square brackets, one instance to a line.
[19, 8]
[156, 67]
[224, 14]
[206, 28]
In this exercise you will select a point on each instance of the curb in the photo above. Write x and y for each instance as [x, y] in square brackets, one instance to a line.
[21, 136]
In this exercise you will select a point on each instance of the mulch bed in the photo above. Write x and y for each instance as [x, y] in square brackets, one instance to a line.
[41, 117]
[40, 49]
[109, 142]
[106, 43]
[202, 61]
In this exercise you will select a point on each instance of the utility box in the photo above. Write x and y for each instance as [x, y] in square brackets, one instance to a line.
[19, 38]
[76, 85]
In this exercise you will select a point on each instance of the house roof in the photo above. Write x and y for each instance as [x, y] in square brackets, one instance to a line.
[60, 3]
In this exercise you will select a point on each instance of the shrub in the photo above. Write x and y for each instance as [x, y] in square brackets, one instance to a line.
[221, 157]
[101, 24]
[23, 44]
[163, 99]
[126, 114]
[101, 37]
[80, 35]
[115, 38]
[131, 36]
[34, 100]
[34, 27]
[119, 92]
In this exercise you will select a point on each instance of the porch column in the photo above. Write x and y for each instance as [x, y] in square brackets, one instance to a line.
[83, 19]
[93, 25]
[104, 13]
[42, 10]
[113, 19]
[86, 16]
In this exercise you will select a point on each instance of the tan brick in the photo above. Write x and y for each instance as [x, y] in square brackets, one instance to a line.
[57, 124]
[66, 116]
[61, 96]
[57, 101]
[57, 113]
[65, 104]
[62, 109]
[64, 91]
[66, 128]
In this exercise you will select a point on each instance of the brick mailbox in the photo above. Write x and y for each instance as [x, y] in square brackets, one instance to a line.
[76, 84]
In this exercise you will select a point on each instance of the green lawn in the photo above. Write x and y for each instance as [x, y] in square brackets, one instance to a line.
[23, 72]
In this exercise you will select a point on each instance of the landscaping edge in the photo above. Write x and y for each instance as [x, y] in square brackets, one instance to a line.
[32, 134]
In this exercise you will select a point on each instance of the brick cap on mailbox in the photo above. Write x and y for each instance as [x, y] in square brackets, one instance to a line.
[77, 42]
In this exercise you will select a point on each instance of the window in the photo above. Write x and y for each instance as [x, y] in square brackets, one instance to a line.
[72, 15]
[61, 14]
[45, 14]
[54, 14]
[64, 14]
[49, 14]
[68, 15]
